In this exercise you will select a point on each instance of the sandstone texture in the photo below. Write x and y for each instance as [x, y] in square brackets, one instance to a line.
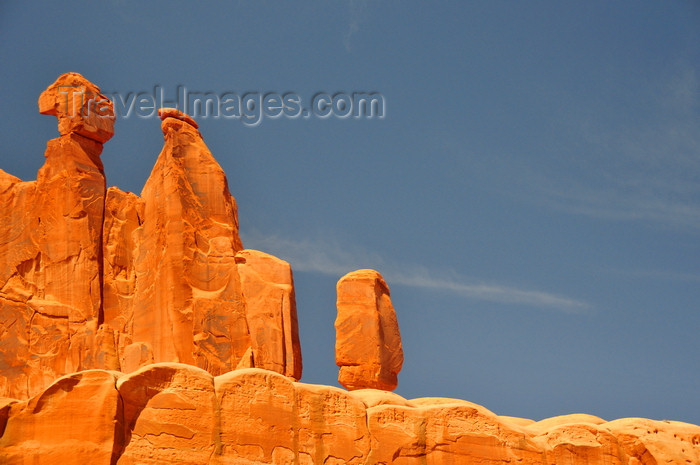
[79, 107]
[96, 278]
[60, 425]
[268, 288]
[368, 342]
[180, 414]
[137, 330]
[51, 248]
[187, 302]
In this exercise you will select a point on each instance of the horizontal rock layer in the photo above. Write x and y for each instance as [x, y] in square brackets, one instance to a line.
[180, 414]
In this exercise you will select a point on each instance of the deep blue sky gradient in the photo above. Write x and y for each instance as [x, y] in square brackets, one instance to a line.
[532, 196]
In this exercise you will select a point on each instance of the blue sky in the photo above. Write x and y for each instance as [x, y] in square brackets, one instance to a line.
[532, 195]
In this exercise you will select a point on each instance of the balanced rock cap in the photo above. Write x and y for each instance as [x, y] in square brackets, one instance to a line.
[79, 107]
[177, 114]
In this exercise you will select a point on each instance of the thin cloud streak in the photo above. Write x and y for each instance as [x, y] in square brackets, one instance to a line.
[333, 259]
[356, 12]
[614, 205]
[646, 172]
[492, 292]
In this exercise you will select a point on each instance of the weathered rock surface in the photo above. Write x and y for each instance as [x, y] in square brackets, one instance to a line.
[268, 288]
[97, 278]
[187, 304]
[169, 415]
[180, 414]
[79, 107]
[658, 442]
[368, 346]
[453, 432]
[101, 283]
[266, 418]
[73, 421]
[50, 249]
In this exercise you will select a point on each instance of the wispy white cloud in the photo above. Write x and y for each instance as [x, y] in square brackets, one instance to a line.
[646, 170]
[614, 202]
[323, 256]
[356, 12]
[331, 258]
[490, 292]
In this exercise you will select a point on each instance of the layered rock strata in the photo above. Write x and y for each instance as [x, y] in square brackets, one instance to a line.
[368, 346]
[182, 415]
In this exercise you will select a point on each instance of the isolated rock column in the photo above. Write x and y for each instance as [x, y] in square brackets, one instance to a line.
[368, 342]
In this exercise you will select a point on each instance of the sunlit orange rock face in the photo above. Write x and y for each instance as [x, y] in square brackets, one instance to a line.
[187, 302]
[51, 247]
[137, 330]
[268, 288]
[368, 342]
[97, 278]
[79, 107]
[181, 415]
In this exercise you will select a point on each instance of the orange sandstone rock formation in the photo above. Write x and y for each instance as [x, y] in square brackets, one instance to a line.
[187, 301]
[180, 414]
[268, 288]
[368, 342]
[50, 247]
[79, 107]
[93, 278]
[98, 284]
[73, 421]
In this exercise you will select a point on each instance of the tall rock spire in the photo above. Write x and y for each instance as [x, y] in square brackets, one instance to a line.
[100, 278]
[187, 303]
[50, 245]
